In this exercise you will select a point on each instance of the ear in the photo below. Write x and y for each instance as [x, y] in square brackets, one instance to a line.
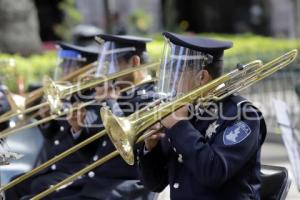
[203, 77]
[136, 61]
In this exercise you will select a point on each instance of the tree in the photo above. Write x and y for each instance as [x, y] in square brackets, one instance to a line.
[297, 17]
[19, 30]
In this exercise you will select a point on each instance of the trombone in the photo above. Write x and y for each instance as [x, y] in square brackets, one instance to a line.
[54, 92]
[62, 155]
[14, 108]
[124, 137]
[37, 94]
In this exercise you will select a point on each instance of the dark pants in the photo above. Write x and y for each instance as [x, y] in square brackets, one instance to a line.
[104, 189]
[19, 190]
[35, 185]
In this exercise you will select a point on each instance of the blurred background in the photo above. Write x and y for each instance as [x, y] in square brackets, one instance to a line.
[259, 29]
[29, 29]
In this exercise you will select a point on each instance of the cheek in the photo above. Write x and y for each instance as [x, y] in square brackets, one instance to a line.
[196, 82]
[123, 65]
[189, 83]
[99, 90]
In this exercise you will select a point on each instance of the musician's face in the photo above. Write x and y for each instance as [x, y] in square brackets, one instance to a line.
[68, 66]
[123, 64]
[77, 115]
[102, 91]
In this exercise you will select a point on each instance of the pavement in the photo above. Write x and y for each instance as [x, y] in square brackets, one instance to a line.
[274, 153]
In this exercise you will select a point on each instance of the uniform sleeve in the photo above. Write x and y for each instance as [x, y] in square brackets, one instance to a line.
[153, 169]
[88, 151]
[97, 126]
[93, 128]
[48, 129]
[213, 164]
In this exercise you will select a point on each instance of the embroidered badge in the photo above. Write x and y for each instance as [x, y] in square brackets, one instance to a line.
[236, 133]
[211, 129]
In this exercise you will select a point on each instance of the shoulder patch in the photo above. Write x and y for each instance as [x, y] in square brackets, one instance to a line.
[236, 133]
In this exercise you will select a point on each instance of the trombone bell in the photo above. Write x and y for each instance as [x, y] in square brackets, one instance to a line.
[53, 95]
[121, 132]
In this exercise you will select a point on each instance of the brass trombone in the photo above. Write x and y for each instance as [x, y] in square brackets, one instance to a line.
[55, 92]
[38, 94]
[123, 131]
[14, 108]
[218, 89]
[64, 154]
[8, 64]
[100, 161]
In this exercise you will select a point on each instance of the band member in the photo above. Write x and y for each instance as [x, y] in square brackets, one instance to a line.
[203, 152]
[72, 57]
[114, 179]
[57, 133]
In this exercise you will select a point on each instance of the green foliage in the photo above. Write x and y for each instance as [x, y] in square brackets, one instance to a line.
[171, 16]
[140, 21]
[246, 48]
[30, 69]
[72, 17]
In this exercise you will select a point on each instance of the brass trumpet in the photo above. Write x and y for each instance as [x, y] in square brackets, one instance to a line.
[55, 92]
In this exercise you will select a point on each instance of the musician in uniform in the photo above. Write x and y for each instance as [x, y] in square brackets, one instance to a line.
[204, 151]
[115, 179]
[57, 134]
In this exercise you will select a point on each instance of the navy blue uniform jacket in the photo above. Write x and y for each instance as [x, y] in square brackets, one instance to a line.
[209, 158]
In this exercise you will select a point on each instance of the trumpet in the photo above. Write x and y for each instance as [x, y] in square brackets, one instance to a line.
[54, 92]
[37, 94]
[126, 136]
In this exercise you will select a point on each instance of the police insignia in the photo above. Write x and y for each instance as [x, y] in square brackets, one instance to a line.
[211, 129]
[236, 133]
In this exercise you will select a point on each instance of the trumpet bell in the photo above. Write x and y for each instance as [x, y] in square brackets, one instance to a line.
[121, 132]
